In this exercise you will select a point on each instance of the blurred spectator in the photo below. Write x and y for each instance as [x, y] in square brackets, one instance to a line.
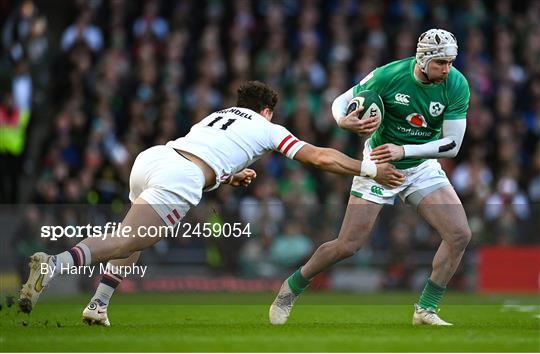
[504, 209]
[262, 210]
[291, 247]
[472, 178]
[21, 35]
[84, 31]
[15, 111]
[150, 23]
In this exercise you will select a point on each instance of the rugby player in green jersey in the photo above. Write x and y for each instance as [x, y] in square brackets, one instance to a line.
[426, 102]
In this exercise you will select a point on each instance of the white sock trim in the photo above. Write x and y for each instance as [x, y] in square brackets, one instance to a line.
[87, 253]
[104, 293]
[63, 260]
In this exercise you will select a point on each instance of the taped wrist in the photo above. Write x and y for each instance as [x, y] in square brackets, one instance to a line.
[368, 169]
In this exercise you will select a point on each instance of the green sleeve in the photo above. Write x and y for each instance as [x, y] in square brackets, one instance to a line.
[458, 95]
[372, 81]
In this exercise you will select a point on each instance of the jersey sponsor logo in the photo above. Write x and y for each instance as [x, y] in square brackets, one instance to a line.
[376, 190]
[416, 120]
[435, 108]
[415, 132]
[402, 98]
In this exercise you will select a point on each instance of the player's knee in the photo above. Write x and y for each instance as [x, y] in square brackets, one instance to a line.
[350, 240]
[348, 249]
[123, 249]
[461, 238]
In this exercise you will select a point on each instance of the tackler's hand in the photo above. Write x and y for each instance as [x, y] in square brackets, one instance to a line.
[243, 178]
[389, 176]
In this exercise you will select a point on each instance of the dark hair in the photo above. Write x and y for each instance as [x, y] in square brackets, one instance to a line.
[256, 96]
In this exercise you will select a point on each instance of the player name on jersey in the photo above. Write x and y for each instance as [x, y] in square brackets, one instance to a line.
[237, 112]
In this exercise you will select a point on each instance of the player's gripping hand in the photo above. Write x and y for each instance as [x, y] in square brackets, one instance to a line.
[389, 176]
[387, 153]
[243, 178]
[362, 127]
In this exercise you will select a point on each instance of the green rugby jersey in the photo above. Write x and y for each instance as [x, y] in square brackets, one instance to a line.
[414, 112]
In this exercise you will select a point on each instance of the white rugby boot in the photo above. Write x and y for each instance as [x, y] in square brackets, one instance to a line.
[95, 313]
[282, 305]
[429, 317]
[38, 279]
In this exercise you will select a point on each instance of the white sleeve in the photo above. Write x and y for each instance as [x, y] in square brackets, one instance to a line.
[281, 140]
[339, 106]
[453, 131]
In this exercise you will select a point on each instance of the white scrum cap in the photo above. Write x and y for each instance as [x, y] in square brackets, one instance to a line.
[435, 43]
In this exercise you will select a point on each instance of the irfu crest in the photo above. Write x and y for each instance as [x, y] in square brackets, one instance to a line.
[435, 108]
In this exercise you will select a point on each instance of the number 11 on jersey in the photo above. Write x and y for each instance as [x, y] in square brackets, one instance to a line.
[224, 126]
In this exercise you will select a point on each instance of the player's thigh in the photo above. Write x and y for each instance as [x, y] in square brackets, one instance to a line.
[145, 224]
[443, 210]
[359, 219]
[133, 259]
[164, 184]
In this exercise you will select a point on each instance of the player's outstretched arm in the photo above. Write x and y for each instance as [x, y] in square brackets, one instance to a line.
[447, 146]
[334, 161]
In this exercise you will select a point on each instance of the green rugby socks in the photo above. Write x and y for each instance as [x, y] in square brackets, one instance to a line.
[431, 296]
[297, 282]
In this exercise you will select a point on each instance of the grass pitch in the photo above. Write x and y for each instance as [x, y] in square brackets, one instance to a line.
[239, 323]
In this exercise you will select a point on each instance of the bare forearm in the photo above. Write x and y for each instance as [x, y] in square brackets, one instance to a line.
[336, 162]
[332, 160]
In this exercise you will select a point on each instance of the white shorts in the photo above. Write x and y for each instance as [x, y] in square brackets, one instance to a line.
[167, 181]
[426, 177]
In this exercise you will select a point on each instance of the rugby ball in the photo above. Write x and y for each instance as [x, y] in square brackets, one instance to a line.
[370, 101]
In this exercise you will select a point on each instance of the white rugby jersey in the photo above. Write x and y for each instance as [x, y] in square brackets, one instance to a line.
[232, 139]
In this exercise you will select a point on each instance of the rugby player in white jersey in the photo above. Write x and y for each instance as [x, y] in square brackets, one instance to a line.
[167, 180]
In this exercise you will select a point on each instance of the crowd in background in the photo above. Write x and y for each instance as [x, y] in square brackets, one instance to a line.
[119, 76]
